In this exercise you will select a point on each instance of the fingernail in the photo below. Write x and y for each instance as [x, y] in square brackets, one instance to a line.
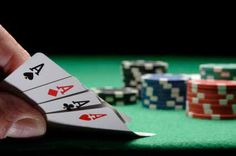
[26, 127]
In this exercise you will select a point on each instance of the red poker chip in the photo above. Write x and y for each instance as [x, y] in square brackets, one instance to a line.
[212, 84]
[211, 91]
[212, 107]
[221, 102]
[212, 117]
[213, 111]
[219, 107]
[211, 95]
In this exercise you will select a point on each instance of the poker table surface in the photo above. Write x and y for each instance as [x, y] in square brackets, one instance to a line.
[174, 130]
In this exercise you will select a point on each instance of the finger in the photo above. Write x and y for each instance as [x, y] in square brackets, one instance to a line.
[18, 119]
[12, 55]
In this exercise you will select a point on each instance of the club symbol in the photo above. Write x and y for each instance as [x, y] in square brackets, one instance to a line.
[68, 107]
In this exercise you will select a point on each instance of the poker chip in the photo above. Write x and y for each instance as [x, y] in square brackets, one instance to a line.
[207, 106]
[117, 96]
[222, 92]
[133, 70]
[218, 71]
[157, 107]
[211, 99]
[211, 116]
[210, 95]
[163, 91]
[213, 84]
[212, 111]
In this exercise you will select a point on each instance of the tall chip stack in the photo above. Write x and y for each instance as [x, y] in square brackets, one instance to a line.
[164, 91]
[133, 70]
[218, 71]
[211, 99]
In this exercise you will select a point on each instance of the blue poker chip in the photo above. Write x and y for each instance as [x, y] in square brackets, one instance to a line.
[164, 86]
[157, 97]
[149, 92]
[164, 98]
[164, 77]
[164, 91]
[166, 103]
[169, 93]
[162, 107]
[147, 101]
[181, 101]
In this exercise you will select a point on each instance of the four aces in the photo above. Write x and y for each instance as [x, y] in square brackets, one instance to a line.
[64, 99]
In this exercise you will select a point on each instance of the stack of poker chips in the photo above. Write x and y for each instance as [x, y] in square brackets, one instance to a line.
[163, 91]
[211, 99]
[117, 96]
[218, 71]
[133, 70]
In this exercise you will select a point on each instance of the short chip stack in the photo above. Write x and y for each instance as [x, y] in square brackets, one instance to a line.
[117, 96]
[211, 99]
[133, 70]
[163, 91]
[218, 71]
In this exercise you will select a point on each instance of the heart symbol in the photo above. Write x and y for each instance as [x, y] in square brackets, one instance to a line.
[85, 117]
[29, 75]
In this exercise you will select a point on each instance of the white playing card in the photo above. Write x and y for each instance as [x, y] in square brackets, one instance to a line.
[55, 90]
[38, 70]
[70, 103]
[59, 94]
[99, 118]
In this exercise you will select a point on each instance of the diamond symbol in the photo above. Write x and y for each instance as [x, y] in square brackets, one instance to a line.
[52, 92]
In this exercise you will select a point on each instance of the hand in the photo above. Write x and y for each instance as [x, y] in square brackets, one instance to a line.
[17, 118]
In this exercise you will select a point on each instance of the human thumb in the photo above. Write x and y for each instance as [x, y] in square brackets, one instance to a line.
[19, 119]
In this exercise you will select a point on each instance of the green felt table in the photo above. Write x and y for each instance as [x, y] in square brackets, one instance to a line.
[174, 131]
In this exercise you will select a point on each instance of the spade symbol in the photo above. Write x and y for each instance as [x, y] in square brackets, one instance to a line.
[29, 75]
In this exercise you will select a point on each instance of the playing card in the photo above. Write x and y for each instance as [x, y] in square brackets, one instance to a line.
[56, 90]
[63, 98]
[99, 118]
[84, 100]
[36, 71]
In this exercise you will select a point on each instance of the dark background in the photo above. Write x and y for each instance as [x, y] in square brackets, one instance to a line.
[120, 31]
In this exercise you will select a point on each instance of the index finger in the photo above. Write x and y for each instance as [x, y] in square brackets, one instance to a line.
[12, 54]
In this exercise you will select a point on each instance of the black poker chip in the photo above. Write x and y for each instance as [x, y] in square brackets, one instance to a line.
[133, 70]
[117, 96]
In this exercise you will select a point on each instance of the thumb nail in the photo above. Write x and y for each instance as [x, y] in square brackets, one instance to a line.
[26, 127]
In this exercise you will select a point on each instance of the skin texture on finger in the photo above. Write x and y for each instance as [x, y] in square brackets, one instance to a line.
[12, 55]
[18, 119]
